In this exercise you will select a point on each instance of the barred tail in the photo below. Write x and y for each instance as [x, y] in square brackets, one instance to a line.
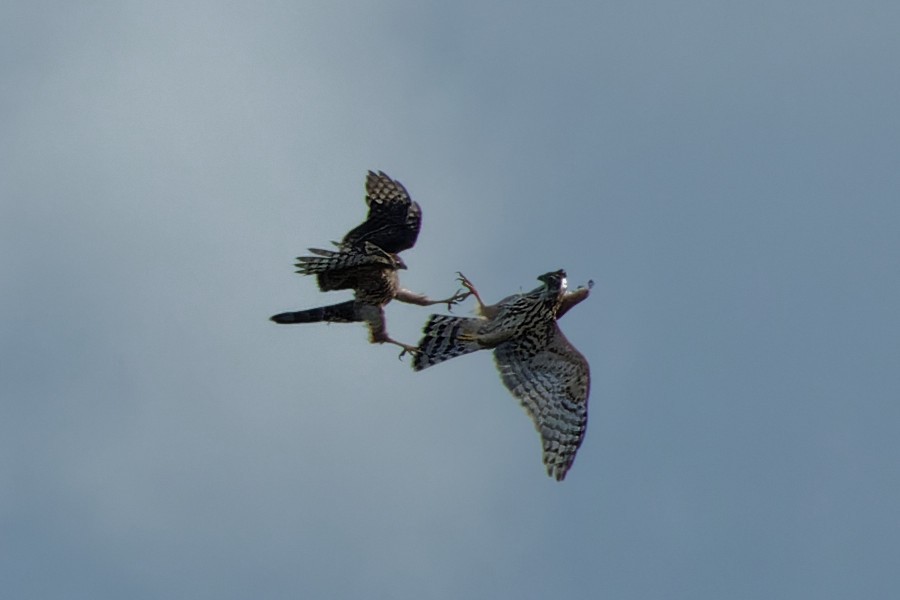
[442, 340]
[345, 312]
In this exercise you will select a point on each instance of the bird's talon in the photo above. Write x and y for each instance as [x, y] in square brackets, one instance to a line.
[457, 297]
[469, 287]
[407, 350]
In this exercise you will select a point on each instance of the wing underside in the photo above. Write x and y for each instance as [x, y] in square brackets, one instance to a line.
[553, 384]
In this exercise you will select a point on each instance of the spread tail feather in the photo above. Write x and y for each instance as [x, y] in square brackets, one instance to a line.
[442, 340]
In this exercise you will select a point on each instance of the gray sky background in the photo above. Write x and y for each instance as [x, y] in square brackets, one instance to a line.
[727, 173]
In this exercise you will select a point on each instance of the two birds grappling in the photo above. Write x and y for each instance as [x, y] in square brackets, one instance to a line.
[536, 362]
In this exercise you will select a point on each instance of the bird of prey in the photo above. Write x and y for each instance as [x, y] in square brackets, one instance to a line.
[366, 261]
[536, 362]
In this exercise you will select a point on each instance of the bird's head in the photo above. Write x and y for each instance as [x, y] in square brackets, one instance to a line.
[392, 260]
[554, 287]
[554, 280]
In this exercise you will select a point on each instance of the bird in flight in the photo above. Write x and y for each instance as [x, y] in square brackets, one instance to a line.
[366, 261]
[538, 365]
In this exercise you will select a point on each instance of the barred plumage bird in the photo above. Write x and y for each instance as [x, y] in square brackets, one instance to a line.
[536, 362]
[366, 261]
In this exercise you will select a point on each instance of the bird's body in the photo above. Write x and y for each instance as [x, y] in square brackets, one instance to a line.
[367, 270]
[535, 360]
[366, 261]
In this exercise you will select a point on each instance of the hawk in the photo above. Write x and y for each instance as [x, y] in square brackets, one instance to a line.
[366, 261]
[535, 360]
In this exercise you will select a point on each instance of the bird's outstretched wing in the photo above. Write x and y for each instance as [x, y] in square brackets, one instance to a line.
[553, 383]
[352, 267]
[394, 219]
[344, 258]
[535, 360]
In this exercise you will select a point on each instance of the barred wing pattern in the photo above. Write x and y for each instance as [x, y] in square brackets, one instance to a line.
[344, 258]
[349, 267]
[535, 360]
[394, 219]
[366, 261]
[553, 384]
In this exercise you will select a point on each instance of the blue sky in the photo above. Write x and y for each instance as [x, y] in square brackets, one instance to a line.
[727, 173]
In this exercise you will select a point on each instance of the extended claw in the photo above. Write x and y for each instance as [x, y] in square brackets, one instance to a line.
[464, 281]
[468, 285]
[407, 350]
[383, 338]
[457, 297]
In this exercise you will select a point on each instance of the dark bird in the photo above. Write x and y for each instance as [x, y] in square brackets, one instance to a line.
[394, 219]
[535, 360]
[366, 261]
